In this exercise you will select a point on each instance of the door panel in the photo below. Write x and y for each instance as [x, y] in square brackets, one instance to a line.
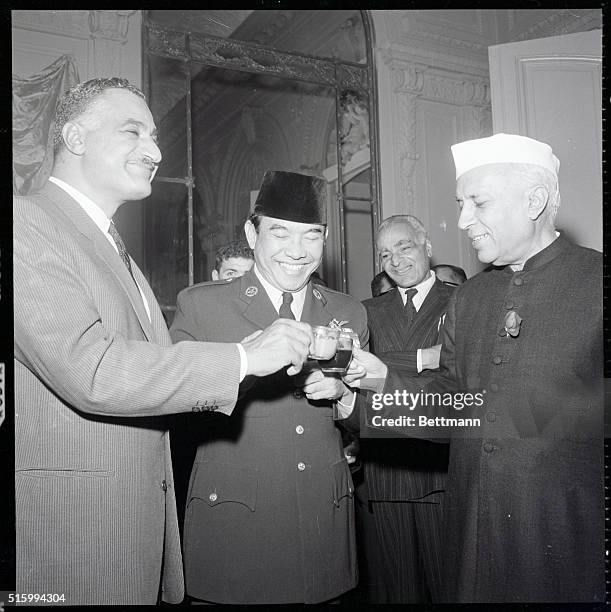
[550, 89]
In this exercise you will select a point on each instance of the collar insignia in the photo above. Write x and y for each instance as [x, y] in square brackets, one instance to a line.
[251, 291]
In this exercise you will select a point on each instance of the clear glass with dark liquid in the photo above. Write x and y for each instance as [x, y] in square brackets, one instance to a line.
[339, 363]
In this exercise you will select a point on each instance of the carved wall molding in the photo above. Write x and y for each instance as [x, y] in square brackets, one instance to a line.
[427, 82]
[405, 147]
[457, 90]
[450, 41]
[443, 60]
[407, 77]
[414, 82]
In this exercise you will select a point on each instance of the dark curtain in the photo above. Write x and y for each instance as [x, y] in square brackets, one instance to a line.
[34, 100]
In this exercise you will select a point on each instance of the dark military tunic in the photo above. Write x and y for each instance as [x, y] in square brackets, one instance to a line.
[269, 516]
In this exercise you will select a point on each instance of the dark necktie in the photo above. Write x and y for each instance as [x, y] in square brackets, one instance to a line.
[285, 311]
[409, 309]
[112, 230]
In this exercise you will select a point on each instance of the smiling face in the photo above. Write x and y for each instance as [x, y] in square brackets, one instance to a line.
[404, 253]
[286, 252]
[494, 202]
[115, 142]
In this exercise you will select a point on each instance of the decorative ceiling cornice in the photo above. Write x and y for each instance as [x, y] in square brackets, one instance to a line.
[564, 21]
[428, 82]
[450, 41]
[400, 52]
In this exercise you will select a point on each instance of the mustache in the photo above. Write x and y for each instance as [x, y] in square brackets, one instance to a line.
[150, 162]
[152, 165]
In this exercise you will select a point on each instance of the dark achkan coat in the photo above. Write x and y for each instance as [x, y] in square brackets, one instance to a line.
[269, 515]
[524, 495]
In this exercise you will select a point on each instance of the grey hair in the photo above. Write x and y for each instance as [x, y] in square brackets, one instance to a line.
[538, 175]
[410, 220]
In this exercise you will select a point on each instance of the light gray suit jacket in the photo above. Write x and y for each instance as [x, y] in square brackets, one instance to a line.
[95, 506]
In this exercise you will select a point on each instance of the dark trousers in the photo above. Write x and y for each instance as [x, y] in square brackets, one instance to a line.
[400, 550]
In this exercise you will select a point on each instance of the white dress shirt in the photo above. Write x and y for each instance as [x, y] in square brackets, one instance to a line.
[275, 295]
[422, 288]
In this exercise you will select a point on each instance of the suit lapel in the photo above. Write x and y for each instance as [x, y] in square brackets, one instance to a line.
[427, 311]
[315, 310]
[258, 308]
[393, 322]
[78, 222]
[430, 302]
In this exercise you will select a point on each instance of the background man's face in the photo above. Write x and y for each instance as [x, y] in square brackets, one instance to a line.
[232, 267]
[120, 142]
[404, 254]
[494, 213]
[286, 252]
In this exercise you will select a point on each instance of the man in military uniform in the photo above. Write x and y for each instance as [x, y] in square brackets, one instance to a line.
[269, 516]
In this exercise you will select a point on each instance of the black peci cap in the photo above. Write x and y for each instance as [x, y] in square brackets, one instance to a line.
[292, 197]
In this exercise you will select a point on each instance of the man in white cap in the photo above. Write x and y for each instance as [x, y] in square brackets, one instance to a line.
[524, 496]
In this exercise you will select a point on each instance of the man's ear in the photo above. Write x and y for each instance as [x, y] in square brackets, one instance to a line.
[215, 275]
[251, 233]
[429, 248]
[74, 137]
[538, 198]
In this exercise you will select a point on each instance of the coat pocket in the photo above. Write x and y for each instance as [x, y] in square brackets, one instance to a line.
[342, 481]
[217, 483]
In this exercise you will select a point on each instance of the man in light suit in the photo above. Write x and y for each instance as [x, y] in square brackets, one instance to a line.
[524, 495]
[269, 516]
[95, 370]
[404, 480]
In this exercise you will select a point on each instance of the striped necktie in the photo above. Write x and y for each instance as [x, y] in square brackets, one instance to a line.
[409, 309]
[112, 230]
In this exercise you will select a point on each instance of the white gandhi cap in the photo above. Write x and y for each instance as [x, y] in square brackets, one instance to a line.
[503, 148]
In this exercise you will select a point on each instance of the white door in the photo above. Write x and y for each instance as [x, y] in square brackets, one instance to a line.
[551, 89]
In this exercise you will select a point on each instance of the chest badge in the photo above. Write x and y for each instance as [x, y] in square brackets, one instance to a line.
[251, 291]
